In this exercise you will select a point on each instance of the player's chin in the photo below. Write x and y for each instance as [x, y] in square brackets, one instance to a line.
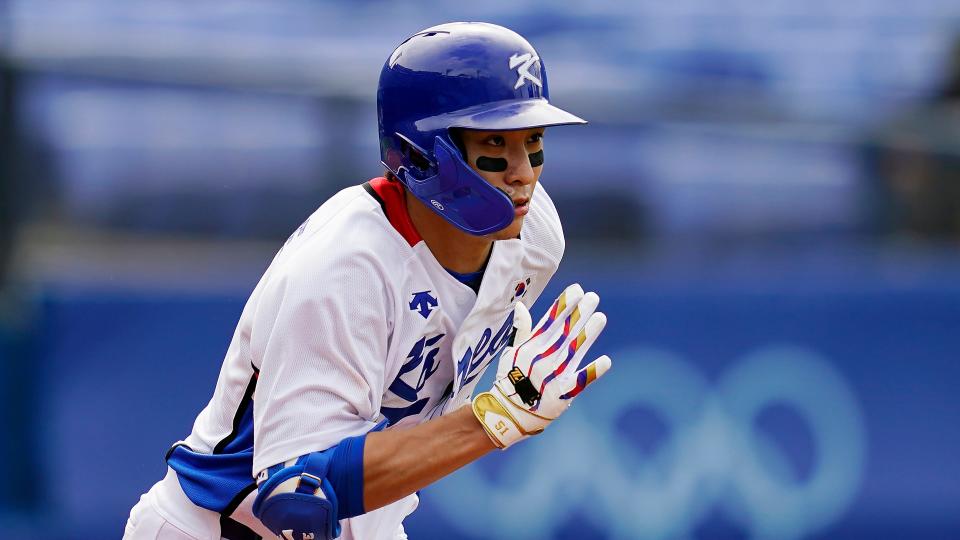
[510, 231]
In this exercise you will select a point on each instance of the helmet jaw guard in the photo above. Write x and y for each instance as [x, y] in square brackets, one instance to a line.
[459, 194]
[459, 75]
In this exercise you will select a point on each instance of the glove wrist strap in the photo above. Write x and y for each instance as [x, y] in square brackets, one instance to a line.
[502, 428]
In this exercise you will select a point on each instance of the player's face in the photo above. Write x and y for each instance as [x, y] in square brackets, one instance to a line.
[511, 161]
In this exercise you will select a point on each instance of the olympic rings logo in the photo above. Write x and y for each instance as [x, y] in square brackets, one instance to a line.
[714, 458]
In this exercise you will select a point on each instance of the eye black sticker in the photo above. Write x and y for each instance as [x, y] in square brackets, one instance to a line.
[536, 158]
[491, 164]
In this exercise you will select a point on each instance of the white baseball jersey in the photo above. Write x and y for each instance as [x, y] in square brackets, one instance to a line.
[355, 321]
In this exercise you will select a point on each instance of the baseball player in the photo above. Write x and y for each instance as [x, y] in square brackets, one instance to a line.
[349, 382]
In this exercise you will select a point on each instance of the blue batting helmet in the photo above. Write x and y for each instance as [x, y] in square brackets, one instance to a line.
[459, 75]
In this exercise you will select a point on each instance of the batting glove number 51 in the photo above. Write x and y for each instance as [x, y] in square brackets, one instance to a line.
[537, 377]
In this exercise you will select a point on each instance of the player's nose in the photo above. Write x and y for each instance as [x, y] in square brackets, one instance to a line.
[519, 171]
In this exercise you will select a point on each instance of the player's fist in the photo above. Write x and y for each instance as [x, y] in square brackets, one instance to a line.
[538, 376]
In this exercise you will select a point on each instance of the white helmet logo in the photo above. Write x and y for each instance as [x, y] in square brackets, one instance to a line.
[522, 63]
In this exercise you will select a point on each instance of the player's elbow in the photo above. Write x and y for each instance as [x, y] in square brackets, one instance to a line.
[311, 495]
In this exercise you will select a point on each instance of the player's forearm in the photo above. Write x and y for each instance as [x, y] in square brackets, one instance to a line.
[398, 462]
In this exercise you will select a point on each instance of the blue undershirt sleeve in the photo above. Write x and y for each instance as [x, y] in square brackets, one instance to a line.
[346, 474]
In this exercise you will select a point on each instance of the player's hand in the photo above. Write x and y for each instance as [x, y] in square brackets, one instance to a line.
[537, 377]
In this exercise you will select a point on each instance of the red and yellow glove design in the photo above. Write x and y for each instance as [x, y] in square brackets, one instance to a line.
[537, 377]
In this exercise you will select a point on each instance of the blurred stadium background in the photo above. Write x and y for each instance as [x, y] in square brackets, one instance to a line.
[767, 199]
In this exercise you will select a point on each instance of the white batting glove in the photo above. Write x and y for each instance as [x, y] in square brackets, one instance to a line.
[537, 377]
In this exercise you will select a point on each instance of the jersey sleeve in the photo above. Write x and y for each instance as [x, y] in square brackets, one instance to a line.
[320, 336]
